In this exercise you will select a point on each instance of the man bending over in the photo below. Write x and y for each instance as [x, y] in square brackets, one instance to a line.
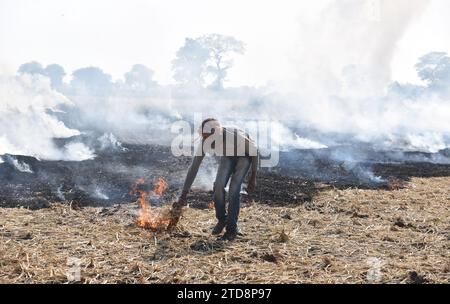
[238, 154]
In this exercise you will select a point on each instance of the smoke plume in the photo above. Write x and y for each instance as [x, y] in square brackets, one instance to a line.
[28, 125]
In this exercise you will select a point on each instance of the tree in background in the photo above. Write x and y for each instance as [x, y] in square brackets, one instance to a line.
[140, 78]
[93, 79]
[55, 72]
[434, 69]
[32, 67]
[190, 63]
[221, 50]
[206, 56]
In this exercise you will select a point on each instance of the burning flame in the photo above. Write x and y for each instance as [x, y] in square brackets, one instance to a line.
[150, 218]
[161, 187]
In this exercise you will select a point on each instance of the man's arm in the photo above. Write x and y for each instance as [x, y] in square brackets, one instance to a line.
[251, 150]
[190, 177]
[251, 183]
[255, 160]
[192, 173]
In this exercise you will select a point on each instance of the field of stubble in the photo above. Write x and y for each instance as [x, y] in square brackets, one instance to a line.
[338, 236]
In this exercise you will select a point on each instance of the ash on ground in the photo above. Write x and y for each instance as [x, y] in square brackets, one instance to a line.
[107, 179]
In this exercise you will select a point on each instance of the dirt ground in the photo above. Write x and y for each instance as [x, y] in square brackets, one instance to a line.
[336, 235]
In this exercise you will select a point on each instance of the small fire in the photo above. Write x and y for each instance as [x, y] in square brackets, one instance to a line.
[150, 218]
[161, 187]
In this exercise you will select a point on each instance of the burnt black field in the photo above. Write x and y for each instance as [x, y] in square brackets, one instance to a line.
[108, 178]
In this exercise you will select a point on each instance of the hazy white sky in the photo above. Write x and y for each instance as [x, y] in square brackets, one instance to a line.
[430, 32]
[115, 34]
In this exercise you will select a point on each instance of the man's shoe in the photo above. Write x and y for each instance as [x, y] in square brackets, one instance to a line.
[229, 236]
[219, 228]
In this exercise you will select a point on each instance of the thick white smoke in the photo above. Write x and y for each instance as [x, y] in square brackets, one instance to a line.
[27, 123]
[127, 115]
[343, 66]
[353, 40]
[342, 69]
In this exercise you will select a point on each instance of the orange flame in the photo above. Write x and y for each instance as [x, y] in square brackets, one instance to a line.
[148, 217]
[161, 187]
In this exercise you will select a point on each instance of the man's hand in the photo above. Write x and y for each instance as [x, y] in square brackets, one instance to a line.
[177, 209]
[251, 185]
[182, 201]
